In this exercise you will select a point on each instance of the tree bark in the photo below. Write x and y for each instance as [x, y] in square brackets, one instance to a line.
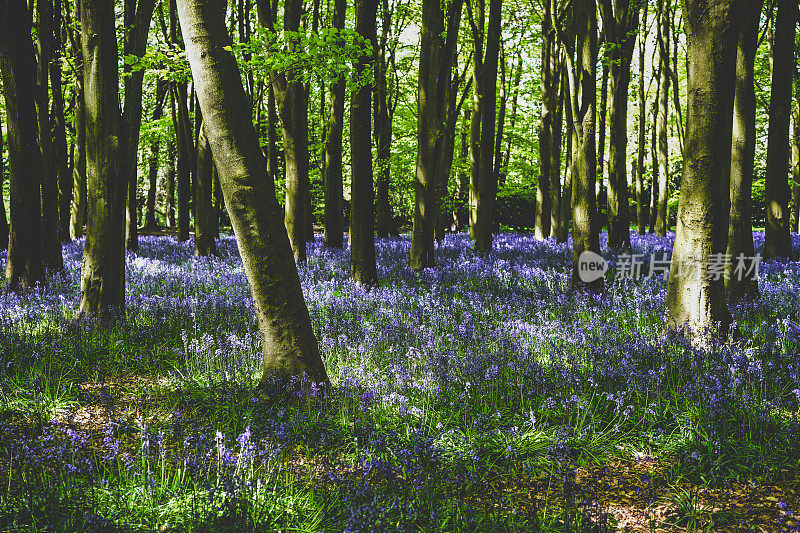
[78, 212]
[289, 347]
[204, 243]
[3, 219]
[362, 196]
[662, 222]
[437, 43]
[24, 267]
[743, 145]
[103, 269]
[695, 299]
[484, 183]
[184, 166]
[155, 148]
[332, 178]
[51, 244]
[601, 218]
[60, 156]
[136, 16]
[169, 202]
[776, 191]
[549, 91]
[620, 25]
[641, 208]
[794, 224]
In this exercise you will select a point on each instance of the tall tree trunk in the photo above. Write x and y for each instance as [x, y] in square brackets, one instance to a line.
[169, 205]
[696, 300]
[641, 208]
[103, 269]
[383, 128]
[662, 221]
[204, 243]
[583, 97]
[289, 347]
[794, 224]
[51, 244]
[621, 23]
[498, 169]
[137, 15]
[743, 145]
[60, 160]
[3, 219]
[556, 125]
[155, 148]
[184, 166]
[654, 155]
[78, 212]
[776, 191]
[437, 43]
[461, 194]
[24, 267]
[332, 178]
[566, 194]
[549, 91]
[362, 196]
[484, 183]
[602, 195]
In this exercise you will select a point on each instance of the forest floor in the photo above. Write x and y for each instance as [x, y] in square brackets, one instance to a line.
[483, 395]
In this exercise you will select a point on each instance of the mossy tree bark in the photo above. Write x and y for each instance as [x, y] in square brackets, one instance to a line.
[289, 346]
[438, 36]
[332, 178]
[743, 145]
[24, 267]
[696, 299]
[776, 190]
[103, 269]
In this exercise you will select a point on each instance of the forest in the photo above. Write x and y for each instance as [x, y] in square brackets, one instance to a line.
[399, 265]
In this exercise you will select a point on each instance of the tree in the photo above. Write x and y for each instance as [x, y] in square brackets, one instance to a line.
[3, 219]
[581, 70]
[776, 191]
[289, 347]
[136, 21]
[620, 25]
[483, 180]
[103, 268]
[332, 171]
[662, 20]
[24, 267]
[641, 208]
[78, 212]
[743, 145]
[437, 46]
[545, 200]
[204, 242]
[695, 297]
[362, 195]
[51, 244]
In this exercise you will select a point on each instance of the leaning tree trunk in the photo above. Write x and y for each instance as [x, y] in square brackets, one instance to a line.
[24, 267]
[362, 196]
[289, 347]
[437, 42]
[137, 16]
[776, 190]
[332, 178]
[743, 145]
[695, 296]
[103, 269]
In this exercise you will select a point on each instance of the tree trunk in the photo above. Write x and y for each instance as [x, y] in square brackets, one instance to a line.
[78, 212]
[776, 191]
[556, 125]
[461, 194]
[184, 166]
[621, 23]
[60, 156]
[484, 183]
[696, 299]
[332, 178]
[289, 347]
[137, 16]
[794, 224]
[24, 267]
[654, 157]
[362, 196]
[155, 148]
[437, 43]
[103, 269]
[602, 196]
[743, 145]
[204, 243]
[662, 222]
[565, 207]
[51, 244]
[641, 208]
[549, 90]
[169, 207]
[3, 219]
